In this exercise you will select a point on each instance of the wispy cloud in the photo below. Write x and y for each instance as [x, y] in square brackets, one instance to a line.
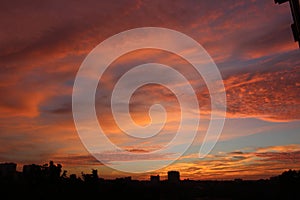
[260, 163]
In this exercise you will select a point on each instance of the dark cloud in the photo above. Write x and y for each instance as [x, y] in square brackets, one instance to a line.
[271, 95]
[280, 156]
[236, 153]
[75, 160]
[64, 109]
[110, 156]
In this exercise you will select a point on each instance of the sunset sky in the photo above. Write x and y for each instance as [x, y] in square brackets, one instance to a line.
[43, 44]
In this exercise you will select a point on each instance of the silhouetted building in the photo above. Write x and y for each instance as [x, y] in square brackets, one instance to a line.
[124, 179]
[154, 179]
[173, 176]
[238, 180]
[50, 171]
[73, 177]
[92, 178]
[53, 171]
[8, 169]
[28, 169]
[32, 171]
[35, 185]
[295, 10]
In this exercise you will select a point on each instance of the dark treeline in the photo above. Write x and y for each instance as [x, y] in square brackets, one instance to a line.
[49, 181]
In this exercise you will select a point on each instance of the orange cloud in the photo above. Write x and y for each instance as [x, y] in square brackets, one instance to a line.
[241, 164]
[270, 96]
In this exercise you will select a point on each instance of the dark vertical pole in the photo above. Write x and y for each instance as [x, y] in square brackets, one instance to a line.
[295, 8]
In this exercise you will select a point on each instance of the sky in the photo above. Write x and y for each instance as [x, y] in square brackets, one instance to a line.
[43, 44]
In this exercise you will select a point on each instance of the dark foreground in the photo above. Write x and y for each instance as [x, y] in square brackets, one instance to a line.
[146, 190]
[49, 183]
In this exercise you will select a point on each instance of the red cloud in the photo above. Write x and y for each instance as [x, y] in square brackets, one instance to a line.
[271, 96]
[260, 163]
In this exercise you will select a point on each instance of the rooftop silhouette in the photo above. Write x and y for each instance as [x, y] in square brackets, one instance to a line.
[295, 11]
[49, 181]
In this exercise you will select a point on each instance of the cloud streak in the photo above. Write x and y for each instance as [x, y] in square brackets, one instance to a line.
[260, 163]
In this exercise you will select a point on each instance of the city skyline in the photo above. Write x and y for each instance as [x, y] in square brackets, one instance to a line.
[49, 181]
[8, 171]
